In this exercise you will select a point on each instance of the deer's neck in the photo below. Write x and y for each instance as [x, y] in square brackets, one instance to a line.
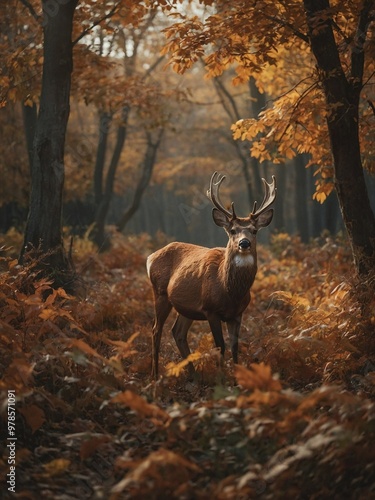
[238, 272]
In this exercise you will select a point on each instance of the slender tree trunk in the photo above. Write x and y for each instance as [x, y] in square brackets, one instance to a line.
[257, 104]
[99, 236]
[342, 97]
[148, 166]
[104, 124]
[230, 107]
[44, 227]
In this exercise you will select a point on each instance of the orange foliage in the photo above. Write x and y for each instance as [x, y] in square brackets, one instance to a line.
[88, 413]
[277, 54]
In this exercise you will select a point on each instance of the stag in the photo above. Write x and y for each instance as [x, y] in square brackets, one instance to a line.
[211, 284]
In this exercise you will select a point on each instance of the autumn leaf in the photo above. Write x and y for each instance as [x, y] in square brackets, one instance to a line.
[84, 347]
[258, 377]
[48, 314]
[20, 371]
[175, 369]
[293, 299]
[91, 444]
[56, 467]
[33, 415]
[174, 469]
[140, 405]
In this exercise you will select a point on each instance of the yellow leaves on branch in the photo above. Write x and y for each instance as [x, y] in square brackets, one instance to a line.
[185, 44]
[292, 126]
[323, 189]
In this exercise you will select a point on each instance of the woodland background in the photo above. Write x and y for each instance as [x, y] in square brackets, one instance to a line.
[134, 123]
[297, 418]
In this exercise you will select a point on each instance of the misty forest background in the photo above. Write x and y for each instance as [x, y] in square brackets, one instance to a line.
[156, 137]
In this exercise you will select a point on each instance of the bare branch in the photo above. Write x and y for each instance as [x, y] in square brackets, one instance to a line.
[152, 67]
[31, 9]
[281, 22]
[357, 59]
[96, 23]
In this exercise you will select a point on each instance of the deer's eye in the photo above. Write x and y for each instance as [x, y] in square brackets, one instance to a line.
[233, 231]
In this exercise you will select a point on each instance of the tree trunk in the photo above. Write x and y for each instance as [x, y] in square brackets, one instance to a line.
[44, 227]
[230, 107]
[342, 98]
[148, 166]
[104, 124]
[99, 236]
[29, 115]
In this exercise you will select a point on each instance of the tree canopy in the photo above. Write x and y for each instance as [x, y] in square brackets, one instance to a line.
[316, 59]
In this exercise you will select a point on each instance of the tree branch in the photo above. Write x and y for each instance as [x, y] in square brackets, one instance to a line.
[358, 56]
[31, 9]
[147, 169]
[152, 67]
[96, 23]
[281, 22]
[226, 99]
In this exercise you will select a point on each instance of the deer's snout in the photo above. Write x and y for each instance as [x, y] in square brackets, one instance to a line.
[244, 244]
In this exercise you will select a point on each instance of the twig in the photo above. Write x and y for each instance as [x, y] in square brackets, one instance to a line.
[98, 21]
[372, 106]
[31, 9]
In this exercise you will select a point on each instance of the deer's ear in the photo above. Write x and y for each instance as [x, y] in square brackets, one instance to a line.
[264, 219]
[219, 218]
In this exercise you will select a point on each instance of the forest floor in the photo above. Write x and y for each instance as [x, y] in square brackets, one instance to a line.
[295, 420]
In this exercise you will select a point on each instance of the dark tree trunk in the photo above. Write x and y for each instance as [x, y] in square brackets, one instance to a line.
[342, 97]
[29, 115]
[104, 124]
[230, 107]
[99, 236]
[148, 166]
[257, 104]
[44, 228]
[332, 215]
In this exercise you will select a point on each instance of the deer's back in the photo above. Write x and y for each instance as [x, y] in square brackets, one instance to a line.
[182, 261]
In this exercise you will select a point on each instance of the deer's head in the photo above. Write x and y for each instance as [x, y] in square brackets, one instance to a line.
[241, 230]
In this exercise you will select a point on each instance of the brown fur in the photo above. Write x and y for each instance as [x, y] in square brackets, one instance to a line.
[201, 283]
[210, 284]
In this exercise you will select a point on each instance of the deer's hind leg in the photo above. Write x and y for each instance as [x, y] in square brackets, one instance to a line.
[162, 309]
[180, 330]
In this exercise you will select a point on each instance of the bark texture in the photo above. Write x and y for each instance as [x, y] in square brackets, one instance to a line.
[342, 93]
[44, 227]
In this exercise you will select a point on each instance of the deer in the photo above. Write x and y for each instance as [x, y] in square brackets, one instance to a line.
[211, 284]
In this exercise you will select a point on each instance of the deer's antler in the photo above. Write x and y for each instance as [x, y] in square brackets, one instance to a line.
[269, 198]
[213, 195]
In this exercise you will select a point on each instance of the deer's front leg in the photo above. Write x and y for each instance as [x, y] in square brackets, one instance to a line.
[233, 327]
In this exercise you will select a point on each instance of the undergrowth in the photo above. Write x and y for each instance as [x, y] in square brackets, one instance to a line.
[294, 420]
